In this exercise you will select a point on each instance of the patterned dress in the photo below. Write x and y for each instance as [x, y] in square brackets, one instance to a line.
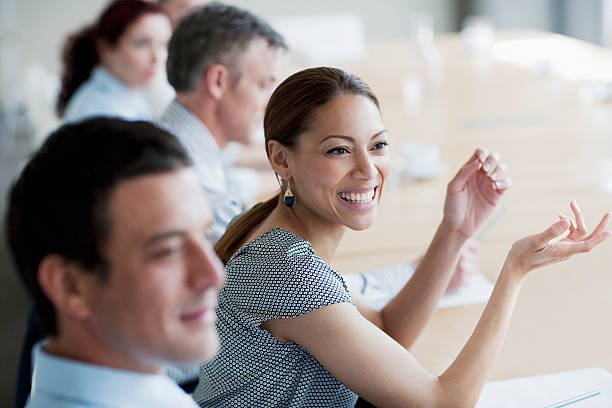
[274, 276]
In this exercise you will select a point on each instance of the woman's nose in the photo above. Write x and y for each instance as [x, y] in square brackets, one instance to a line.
[364, 167]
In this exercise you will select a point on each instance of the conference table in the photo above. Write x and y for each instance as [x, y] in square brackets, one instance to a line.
[538, 99]
[534, 100]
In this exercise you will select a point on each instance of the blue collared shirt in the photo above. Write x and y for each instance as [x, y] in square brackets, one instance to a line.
[103, 94]
[208, 163]
[60, 382]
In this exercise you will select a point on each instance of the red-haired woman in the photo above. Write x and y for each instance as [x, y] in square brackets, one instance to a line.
[108, 63]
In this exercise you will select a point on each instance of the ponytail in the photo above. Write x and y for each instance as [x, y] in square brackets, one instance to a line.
[239, 230]
[79, 57]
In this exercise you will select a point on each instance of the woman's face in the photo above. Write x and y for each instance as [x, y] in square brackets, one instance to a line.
[139, 52]
[340, 163]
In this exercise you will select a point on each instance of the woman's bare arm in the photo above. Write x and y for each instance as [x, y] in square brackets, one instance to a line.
[382, 371]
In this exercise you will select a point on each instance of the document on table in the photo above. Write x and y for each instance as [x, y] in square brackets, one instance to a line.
[477, 289]
[379, 287]
[586, 388]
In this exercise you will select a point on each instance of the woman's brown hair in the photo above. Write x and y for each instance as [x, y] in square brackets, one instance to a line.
[288, 115]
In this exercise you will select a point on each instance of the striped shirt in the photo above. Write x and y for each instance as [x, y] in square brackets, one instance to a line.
[208, 163]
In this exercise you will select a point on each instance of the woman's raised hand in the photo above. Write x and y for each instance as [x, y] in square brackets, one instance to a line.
[474, 192]
[541, 249]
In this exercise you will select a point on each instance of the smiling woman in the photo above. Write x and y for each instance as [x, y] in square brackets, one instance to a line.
[105, 64]
[292, 333]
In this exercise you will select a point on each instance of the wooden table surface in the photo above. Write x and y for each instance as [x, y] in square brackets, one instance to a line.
[557, 147]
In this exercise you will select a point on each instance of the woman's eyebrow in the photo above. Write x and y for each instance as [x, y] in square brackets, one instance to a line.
[351, 139]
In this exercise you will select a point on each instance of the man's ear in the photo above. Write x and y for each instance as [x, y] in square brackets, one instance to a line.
[217, 80]
[65, 286]
[279, 158]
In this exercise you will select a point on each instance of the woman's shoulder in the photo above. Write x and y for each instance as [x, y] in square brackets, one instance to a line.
[89, 100]
[278, 275]
[276, 243]
[277, 250]
[96, 97]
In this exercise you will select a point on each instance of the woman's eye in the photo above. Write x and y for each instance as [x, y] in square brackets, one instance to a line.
[143, 42]
[380, 145]
[337, 151]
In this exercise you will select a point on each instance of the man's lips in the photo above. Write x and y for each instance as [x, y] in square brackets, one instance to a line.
[205, 315]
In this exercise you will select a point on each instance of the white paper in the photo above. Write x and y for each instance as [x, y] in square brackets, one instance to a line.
[380, 286]
[476, 290]
[546, 390]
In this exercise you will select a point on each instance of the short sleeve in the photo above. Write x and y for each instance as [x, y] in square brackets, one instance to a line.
[266, 283]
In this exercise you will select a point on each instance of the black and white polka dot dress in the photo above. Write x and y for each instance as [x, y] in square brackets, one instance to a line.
[274, 276]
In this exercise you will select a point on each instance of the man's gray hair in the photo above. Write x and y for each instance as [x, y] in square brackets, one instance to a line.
[213, 34]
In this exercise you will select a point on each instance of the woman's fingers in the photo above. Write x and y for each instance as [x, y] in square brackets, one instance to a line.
[580, 225]
[539, 241]
[498, 172]
[491, 166]
[603, 223]
[596, 240]
[503, 185]
[572, 227]
[479, 154]
[462, 176]
[541, 249]
[577, 242]
[491, 163]
[575, 247]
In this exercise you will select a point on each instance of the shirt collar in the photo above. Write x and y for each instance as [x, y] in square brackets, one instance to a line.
[194, 130]
[105, 79]
[71, 380]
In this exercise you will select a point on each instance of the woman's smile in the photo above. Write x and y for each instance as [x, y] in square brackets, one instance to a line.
[359, 199]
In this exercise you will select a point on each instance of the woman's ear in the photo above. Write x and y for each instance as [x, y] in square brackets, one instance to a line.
[103, 49]
[279, 157]
[217, 80]
[65, 286]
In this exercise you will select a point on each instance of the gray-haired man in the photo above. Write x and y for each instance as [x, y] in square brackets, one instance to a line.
[223, 63]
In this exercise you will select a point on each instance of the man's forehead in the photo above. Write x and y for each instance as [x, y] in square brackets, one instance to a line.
[258, 55]
[167, 195]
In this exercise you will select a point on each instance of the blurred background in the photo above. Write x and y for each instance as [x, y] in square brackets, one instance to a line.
[33, 31]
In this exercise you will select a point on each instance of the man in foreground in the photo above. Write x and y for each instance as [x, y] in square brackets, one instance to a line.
[109, 229]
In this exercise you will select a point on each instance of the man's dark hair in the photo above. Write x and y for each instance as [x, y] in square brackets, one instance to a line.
[58, 205]
[213, 34]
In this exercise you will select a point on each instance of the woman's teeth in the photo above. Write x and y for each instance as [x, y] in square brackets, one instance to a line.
[358, 197]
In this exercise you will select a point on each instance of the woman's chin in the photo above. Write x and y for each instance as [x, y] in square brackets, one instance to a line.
[361, 225]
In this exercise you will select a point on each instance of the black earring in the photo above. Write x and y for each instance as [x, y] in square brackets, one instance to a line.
[289, 198]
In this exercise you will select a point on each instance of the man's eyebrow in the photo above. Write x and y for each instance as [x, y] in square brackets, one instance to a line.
[157, 238]
[176, 233]
[351, 139]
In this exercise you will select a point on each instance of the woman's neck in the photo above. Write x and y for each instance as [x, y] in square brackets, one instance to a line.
[323, 235]
[118, 77]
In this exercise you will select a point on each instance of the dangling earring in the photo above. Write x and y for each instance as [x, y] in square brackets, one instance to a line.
[289, 198]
